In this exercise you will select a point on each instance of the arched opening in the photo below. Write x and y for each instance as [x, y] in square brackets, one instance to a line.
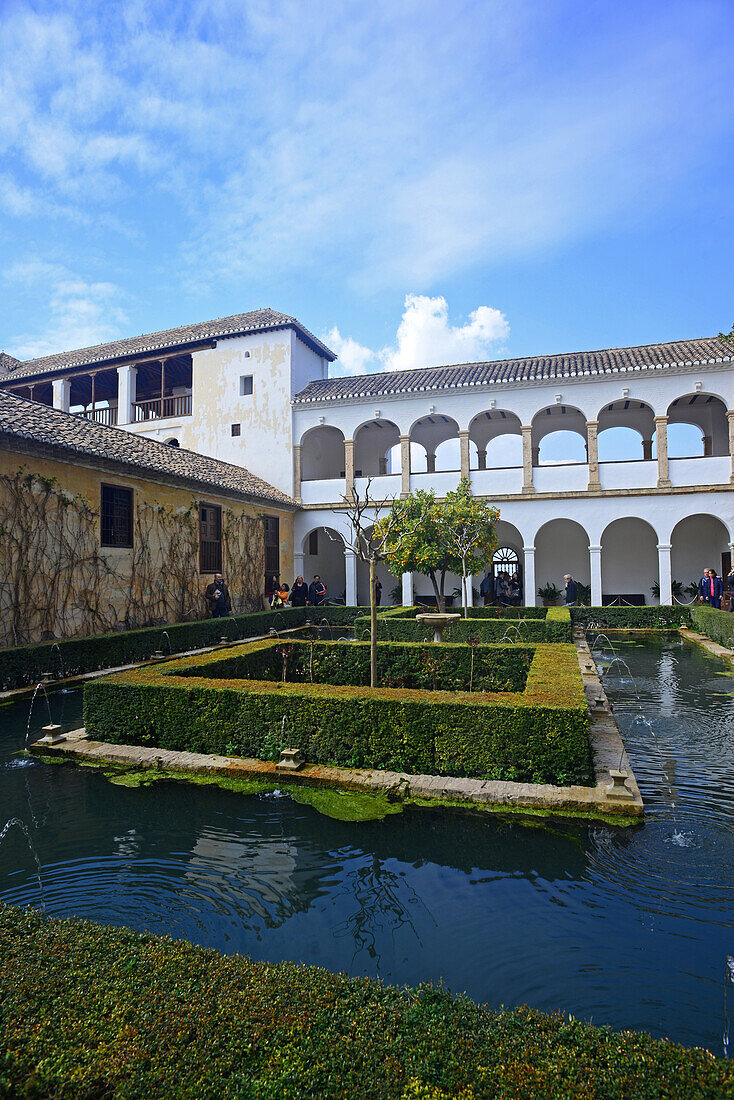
[559, 436]
[562, 546]
[507, 558]
[323, 555]
[697, 426]
[322, 453]
[391, 585]
[698, 542]
[625, 431]
[173, 442]
[438, 435]
[496, 436]
[373, 443]
[629, 562]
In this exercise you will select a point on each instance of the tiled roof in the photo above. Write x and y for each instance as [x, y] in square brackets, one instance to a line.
[534, 369]
[21, 419]
[259, 320]
[8, 362]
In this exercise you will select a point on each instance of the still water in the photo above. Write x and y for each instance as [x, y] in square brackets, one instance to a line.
[626, 927]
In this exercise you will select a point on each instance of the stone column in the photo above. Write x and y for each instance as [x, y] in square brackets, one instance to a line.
[482, 459]
[730, 418]
[127, 376]
[661, 429]
[407, 582]
[350, 567]
[430, 463]
[349, 467]
[595, 563]
[61, 392]
[592, 450]
[528, 577]
[647, 450]
[527, 459]
[464, 449]
[297, 477]
[708, 446]
[665, 577]
[404, 465]
[298, 566]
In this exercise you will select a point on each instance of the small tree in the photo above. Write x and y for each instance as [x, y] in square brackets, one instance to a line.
[369, 540]
[415, 544]
[468, 531]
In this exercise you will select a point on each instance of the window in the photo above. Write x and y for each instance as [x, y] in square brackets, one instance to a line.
[117, 516]
[235, 429]
[245, 385]
[210, 538]
[271, 525]
[505, 560]
[313, 543]
[172, 442]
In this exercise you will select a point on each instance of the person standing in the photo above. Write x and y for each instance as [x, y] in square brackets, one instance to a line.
[572, 591]
[711, 588]
[317, 591]
[730, 586]
[515, 591]
[299, 592]
[378, 592]
[486, 588]
[217, 597]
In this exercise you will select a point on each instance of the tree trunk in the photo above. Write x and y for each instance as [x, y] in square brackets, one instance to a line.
[373, 624]
[441, 596]
[464, 593]
[436, 591]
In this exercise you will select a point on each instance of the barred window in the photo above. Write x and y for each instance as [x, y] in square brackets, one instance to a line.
[117, 516]
[210, 538]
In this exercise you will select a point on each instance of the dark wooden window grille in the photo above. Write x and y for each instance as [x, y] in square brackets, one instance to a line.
[313, 543]
[271, 526]
[117, 516]
[210, 538]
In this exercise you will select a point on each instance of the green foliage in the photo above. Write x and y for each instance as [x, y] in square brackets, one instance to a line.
[89, 1011]
[22, 666]
[631, 618]
[549, 592]
[719, 625]
[537, 735]
[517, 624]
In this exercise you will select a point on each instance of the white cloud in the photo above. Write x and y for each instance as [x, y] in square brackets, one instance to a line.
[80, 313]
[424, 338]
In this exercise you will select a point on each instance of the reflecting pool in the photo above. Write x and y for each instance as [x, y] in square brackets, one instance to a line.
[626, 927]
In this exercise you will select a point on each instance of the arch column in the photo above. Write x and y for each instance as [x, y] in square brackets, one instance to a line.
[407, 585]
[127, 391]
[404, 465]
[349, 468]
[430, 463]
[61, 393]
[527, 459]
[665, 574]
[297, 477]
[481, 459]
[350, 569]
[661, 430]
[647, 450]
[595, 569]
[730, 418]
[528, 553]
[592, 454]
[464, 449]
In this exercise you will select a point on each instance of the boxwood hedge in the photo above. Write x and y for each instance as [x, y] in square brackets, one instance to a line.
[719, 625]
[537, 735]
[22, 666]
[663, 617]
[88, 1011]
[535, 624]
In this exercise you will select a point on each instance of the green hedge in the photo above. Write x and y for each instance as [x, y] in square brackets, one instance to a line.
[23, 666]
[719, 625]
[539, 735]
[541, 624]
[632, 618]
[88, 1011]
[424, 666]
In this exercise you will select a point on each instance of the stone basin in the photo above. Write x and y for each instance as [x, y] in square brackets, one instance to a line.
[439, 621]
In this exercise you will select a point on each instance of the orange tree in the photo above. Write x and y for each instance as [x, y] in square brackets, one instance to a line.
[432, 537]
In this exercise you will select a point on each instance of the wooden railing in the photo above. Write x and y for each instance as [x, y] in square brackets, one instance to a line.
[102, 415]
[160, 407]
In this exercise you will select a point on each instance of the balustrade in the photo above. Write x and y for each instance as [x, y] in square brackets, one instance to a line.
[159, 408]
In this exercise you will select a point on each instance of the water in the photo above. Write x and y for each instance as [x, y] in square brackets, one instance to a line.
[627, 927]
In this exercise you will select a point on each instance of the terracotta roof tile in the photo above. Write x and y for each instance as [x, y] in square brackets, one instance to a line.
[21, 419]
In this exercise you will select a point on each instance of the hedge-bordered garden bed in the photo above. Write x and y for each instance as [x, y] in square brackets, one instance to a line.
[89, 1011]
[531, 624]
[663, 617]
[537, 735]
[719, 625]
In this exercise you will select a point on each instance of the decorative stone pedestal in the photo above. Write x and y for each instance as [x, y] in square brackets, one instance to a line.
[290, 760]
[438, 621]
[52, 734]
[618, 788]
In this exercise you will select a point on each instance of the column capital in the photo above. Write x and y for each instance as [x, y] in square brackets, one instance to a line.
[592, 423]
[463, 432]
[349, 552]
[662, 419]
[730, 415]
[405, 438]
[665, 546]
[528, 549]
[526, 427]
[595, 549]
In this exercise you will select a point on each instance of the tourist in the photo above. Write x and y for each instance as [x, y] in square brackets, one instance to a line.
[378, 593]
[730, 586]
[502, 589]
[299, 592]
[317, 592]
[572, 591]
[217, 597]
[280, 596]
[515, 590]
[486, 588]
[710, 588]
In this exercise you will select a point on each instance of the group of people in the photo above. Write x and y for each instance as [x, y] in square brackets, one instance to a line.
[504, 589]
[300, 595]
[711, 588]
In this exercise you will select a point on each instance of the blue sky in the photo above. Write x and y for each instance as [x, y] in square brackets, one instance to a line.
[417, 181]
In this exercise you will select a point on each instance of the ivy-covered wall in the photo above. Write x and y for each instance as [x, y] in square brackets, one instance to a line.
[56, 580]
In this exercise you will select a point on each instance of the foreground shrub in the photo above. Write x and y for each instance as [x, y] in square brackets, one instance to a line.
[88, 1011]
[631, 618]
[719, 625]
[523, 624]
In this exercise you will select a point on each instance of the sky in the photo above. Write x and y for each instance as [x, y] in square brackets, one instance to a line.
[418, 182]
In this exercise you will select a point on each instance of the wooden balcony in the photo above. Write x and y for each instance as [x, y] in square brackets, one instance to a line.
[104, 415]
[160, 408]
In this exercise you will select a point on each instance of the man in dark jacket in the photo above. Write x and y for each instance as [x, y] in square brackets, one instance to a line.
[317, 592]
[572, 591]
[217, 597]
[710, 588]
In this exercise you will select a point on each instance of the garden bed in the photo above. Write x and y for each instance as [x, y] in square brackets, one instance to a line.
[485, 624]
[235, 702]
[89, 1011]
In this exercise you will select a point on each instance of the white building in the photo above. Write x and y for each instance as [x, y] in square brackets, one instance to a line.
[616, 466]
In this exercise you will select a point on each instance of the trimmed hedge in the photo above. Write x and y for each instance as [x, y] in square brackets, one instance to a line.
[423, 667]
[23, 666]
[663, 617]
[719, 625]
[552, 624]
[539, 735]
[88, 1011]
